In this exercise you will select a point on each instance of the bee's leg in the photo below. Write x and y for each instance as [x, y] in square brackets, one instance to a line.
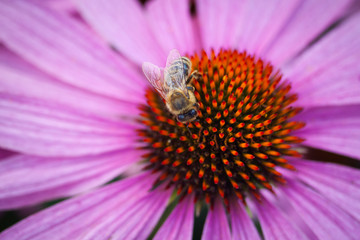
[194, 75]
[197, 105]
[191, 88]
[187, 127]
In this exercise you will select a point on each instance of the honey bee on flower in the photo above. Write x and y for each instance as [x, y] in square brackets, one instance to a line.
[174, 85]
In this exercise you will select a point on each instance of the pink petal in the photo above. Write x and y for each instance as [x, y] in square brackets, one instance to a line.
[324, 218]
[170, 21]
[242, 24]
[179, 225]
[337, 183]
[335, 129]
[27, 180]
[65, 6]
[275, 224]
[5, 153]
[216, 224]
[22, 79]
[310, 18]
[218, 22]
[328, 73]
[81, 217]
[124, 25]
[345, 174]
[242, 226]
[63, 47]
[49, 130]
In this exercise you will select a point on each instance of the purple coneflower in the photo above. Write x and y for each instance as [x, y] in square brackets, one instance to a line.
[280, 83]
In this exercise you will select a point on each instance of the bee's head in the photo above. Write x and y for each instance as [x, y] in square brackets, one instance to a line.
[187, 116]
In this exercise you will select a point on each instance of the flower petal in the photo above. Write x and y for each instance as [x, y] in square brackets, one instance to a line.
[67, 49]
[325, 218]
[179, 225]
[27, 180]
[170, 21]
[274, 223]
[328, 72]
[83, 216]
[216, 224]
[48, 130]
[4, 153]
[65, 6]
[242, 24]
[124, 25]
[336, 183]
[335, 129]
[22, 79]
[242, 226]
[310, 19]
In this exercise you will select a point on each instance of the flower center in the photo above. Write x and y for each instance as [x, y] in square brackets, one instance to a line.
[243, 131]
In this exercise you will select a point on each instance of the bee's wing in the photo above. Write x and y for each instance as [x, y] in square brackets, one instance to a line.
[174, 71]
[155, 76]
[172, 57]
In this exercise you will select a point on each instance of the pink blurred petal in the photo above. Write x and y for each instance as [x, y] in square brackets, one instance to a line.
[27, 180]
[124, 25]
[65, 48]
[170, 21]
[337, 183]
[22, 79]
[5, 153]
[49, 130]
[216, 224]
[308, 20]
[65, 6]
[335, 129]
[179, 225]
[328, 73]
[242, 24]
[326, 219]
[81, 216]
[217, 20]
[275, 224]
[242, 226]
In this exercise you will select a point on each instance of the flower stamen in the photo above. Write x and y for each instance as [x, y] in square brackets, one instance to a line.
[243, 131]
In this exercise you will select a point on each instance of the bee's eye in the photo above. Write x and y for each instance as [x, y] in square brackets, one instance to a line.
[181, 117]
[193, 112]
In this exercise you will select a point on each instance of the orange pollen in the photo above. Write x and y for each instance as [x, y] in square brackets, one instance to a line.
[243, 131]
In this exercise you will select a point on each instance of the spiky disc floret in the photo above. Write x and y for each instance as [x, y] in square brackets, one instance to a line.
[242, 133]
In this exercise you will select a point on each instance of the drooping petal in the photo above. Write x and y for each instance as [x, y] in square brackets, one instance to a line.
[275, 224]
[85, 216]
[27, 180]
[68, 50]
[327, 73]
[326, 219]
[179, 225]
[308, 20]
[335, 129]
[337, 183]
[242, 226]
[20, 78]
[216, 224]
[48, 130]
[124, 25]
[170, 21]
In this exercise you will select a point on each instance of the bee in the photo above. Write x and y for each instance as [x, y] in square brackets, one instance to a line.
[174, 85]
